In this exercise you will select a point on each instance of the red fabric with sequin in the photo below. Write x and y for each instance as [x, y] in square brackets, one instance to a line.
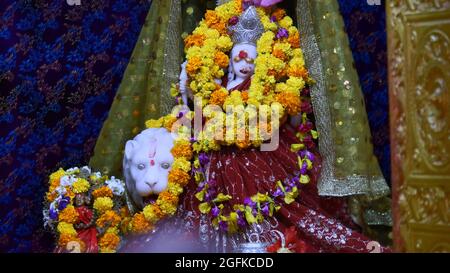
[323, 224]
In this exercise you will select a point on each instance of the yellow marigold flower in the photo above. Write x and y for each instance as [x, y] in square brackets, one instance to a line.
[113, 230]
[56, 176]
[109, 242]
[212, 34]
[152, 213]
[286, 22]
[139, 225]
[81, 185]
[169, 122]
[234, 99]
[182, 163]
[103, 204]
[264, 44]
[66, 228]
[154, 123]
[227, 10]
[221, 59]
[224, 43]
[174, 188]
[193, 65]
[109, 218]
[265, 20]
[179, 176]
[182, 150]
[68, 215]
[291, 102]
[102, 192]
[167, 207]
[295, 84]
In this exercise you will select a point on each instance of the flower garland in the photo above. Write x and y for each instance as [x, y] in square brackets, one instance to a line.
[280, 72]
[69, 208]
[280, 81]
[167, 202]
[257, 207]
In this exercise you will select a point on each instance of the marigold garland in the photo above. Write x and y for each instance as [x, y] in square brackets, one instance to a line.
[62, 214]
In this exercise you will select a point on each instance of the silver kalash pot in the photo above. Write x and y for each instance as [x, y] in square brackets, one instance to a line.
[258, 246]
[252, 248]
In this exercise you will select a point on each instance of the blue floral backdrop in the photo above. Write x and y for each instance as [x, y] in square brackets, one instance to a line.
[60, 67]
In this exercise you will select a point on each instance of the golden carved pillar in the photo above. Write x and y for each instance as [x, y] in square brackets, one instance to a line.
[419, 80]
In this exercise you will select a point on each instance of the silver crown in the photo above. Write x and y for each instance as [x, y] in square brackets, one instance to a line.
[249, 28]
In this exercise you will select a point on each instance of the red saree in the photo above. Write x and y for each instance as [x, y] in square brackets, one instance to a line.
[322, 224]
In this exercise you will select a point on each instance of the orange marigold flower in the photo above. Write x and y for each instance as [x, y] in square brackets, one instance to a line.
[193, 65]
[167, 202]
[51, 196]
[213, 20]
[102, 192]
[243, 143]
[109, 219]
[211, 17]
[279, 14]
[238, 6]
[299, 72]
[109, 241]
[290, 102]
[167, 197]
[68, 215]
[294, 40]
[279, 54]
[75, 243]
[194, 40]
[244, 95]
[182, 150]
[267, 89]
[139, 225]
[221, 59]
[179, 176]
[218, 97]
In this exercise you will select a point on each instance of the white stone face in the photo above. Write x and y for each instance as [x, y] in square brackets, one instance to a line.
[241, 69]
[147, 163]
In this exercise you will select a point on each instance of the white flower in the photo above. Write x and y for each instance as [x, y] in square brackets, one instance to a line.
[61, 190]
[73, 170]
[86, 171]
[97, 174]
[67, 180]
[116, 186]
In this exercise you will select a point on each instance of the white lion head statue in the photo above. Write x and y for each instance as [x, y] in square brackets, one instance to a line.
[146, 163]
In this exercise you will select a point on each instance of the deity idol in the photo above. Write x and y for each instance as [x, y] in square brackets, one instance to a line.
[243, 175]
